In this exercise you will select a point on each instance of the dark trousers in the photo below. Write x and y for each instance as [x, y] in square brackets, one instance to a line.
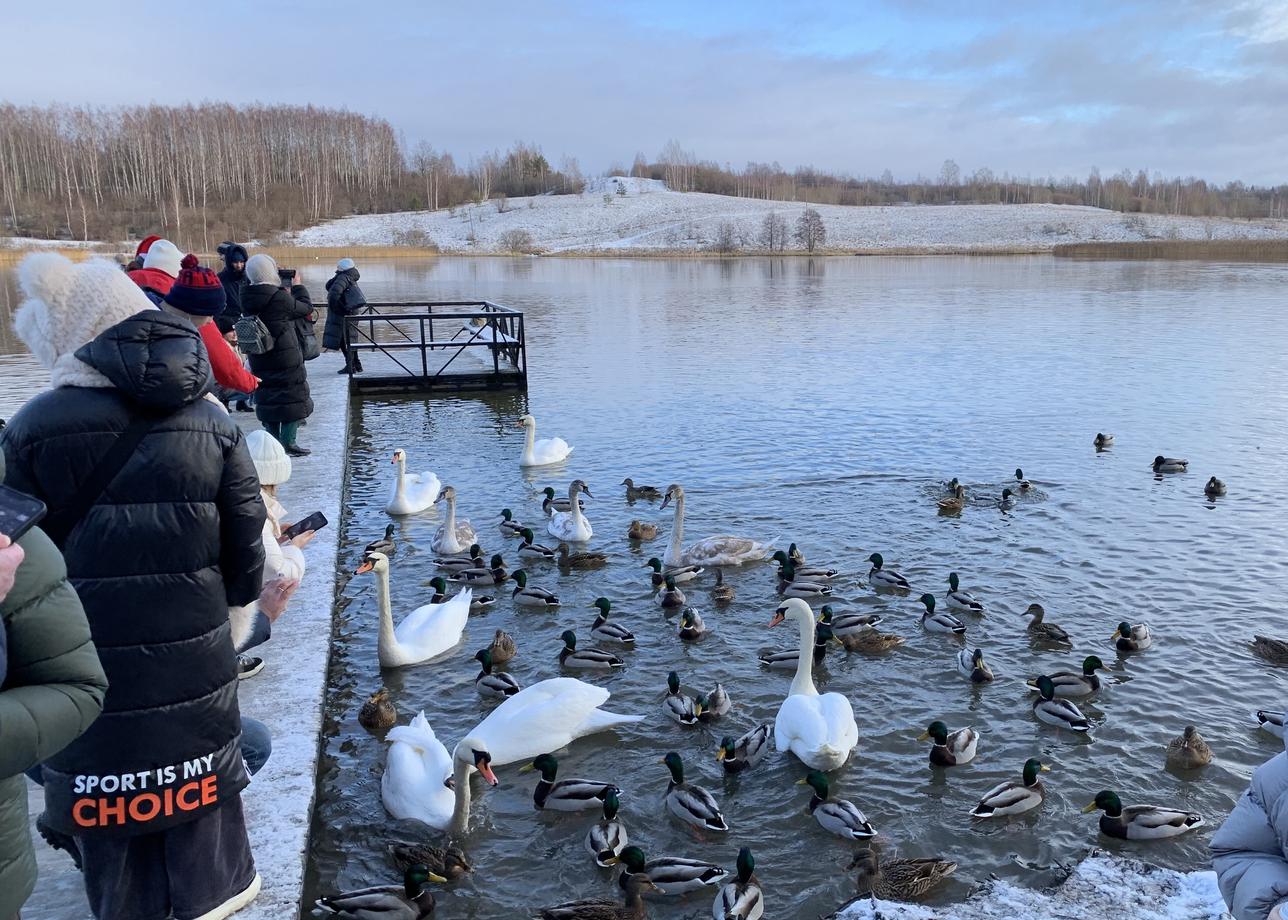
[182, 872]
[285, 432]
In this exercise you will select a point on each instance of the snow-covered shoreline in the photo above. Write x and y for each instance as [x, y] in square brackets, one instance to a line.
[625, 216]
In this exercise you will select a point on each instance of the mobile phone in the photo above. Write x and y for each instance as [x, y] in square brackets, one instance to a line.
[315, 521]
[286, 274]
[19, 512]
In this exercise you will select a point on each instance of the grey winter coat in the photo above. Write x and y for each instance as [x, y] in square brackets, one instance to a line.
[1250, 851]
[343, 298]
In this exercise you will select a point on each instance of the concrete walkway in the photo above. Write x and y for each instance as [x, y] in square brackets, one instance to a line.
[287, 694]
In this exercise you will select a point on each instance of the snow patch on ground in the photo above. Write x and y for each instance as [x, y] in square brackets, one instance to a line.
[1103, 885]
[27, 242]
[623, 213]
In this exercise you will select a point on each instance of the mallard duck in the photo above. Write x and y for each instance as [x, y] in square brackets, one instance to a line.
[741, 899]
[1188, 751]
[674, 875]
[633, 886]
[672, 597]
[800, 571]
[550, 504]
[1103, 440]
[715, 704]
[494, 573]
[957, 599]
[971, 665]
[565, 794]
[1043, 632]
[939, 622]
[477, 601]
[454, 564]
[527, 595]
[1129, 638]
[681, 708]
[385, 544]
[899, 879]
[639, 530]
[409, 901]
[1071, 684]
[502, 648]
[1060, 713]
[606, 838]
[794, 555]
[722, 593]
[1270, 720]
[530, 550]
[1021, 483]
[835, 816]
[747, 751]
[634, 492]
[569, 560]
[1007, 501]
[1273, 650]
[609, 631]
[680, 573]
[791, 585]
[1014, 798]
[378, 712]
[789, 660]
[493, 683]
[509, 526]
[869, 641]
[691, 626]
[955, 502]
[449, 862]
[881, 577]
[691, 804]
[591, 659]
[1170, 464]
[951, 485]
[1140, 822]
[1214, 488]
[951, 749]
[846, 624]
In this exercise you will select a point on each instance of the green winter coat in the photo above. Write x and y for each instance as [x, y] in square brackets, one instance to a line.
[52, 691]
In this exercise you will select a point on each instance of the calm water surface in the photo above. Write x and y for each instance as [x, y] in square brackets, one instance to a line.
[825, 402]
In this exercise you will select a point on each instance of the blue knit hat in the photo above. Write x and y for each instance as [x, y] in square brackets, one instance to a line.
[197, 291]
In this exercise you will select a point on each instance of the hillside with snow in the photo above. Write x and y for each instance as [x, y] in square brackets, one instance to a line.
[628, 215]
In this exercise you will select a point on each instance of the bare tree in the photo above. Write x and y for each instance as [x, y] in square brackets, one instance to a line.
[950, 174]
[726, 239]
[773, 232]
[516, 241]
[810, 231]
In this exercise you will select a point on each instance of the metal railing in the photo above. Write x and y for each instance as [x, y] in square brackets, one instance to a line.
[395, 329]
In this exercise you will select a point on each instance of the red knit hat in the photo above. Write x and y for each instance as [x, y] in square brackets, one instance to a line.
[144, 247]
[197, 290]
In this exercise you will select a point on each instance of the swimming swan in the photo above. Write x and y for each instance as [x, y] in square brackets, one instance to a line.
[543, 452]
[723, 550]
[424, 633]
[412, 492]
[572, 526]
[418, 770]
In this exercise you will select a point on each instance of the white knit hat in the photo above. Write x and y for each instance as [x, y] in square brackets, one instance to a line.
[67, 305]
[165, 256]
[270, 459]
[261, 269]
[344, 265]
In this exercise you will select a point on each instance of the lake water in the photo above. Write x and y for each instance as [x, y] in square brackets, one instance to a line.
[824, 402]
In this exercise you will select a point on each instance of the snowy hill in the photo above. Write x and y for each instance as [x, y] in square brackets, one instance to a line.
[624, 214]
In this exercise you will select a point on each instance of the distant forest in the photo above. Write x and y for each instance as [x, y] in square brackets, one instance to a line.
[210, 172]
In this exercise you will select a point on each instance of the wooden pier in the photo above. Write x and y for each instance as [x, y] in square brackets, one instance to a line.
[413, 346]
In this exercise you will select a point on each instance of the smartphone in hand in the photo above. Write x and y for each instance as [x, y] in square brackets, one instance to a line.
[19, 513]
[315, 521]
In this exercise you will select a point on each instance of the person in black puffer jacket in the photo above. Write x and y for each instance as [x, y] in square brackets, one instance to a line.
[151, 793]
[343, 298]
[233, 277]
[282, 400]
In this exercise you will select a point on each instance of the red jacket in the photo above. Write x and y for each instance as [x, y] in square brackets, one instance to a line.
[227, 367]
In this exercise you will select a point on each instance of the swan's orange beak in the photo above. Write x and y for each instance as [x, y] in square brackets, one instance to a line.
[778, 618]
[364, 568]
[486, 770]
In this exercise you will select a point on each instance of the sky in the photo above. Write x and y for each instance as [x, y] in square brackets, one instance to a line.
[1182, 87]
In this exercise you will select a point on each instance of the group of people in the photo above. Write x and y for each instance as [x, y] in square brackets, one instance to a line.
[128, 615]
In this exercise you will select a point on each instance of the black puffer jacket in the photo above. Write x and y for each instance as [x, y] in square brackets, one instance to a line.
[343, 298]
[234, 286]
[171, 543]
[283, 394]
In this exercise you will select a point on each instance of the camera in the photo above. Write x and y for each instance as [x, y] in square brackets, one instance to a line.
[287, 276]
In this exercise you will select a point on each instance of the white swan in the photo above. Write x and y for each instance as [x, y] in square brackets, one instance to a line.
[543, 452]
[711, 551]
[818, 729]
[452, 537]
[547, 716]
[572, 526]
[417, 772]
[424, 633]
[412, 492]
